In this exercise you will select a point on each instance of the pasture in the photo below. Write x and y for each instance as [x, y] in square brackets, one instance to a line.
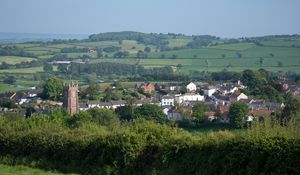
[15, 59]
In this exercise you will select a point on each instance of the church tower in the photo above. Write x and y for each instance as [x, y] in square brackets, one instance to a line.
[70, 101]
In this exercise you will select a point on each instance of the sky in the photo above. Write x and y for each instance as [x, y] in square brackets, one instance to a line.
[223, 18]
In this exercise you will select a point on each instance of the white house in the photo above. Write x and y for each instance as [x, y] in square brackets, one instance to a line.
[209, 90]
[191, 87]
[190, 97]
[167, 100]
[237, 97]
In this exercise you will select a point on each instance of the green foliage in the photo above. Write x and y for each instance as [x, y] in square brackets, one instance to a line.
[199, 112]
[93, 91]
[237, 114]
[145, 147]
[48, 67]
[53, 88]
[105, 117]
[9, 80]
[150, 112]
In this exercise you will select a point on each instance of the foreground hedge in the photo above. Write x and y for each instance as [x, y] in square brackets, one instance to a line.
[150, 150]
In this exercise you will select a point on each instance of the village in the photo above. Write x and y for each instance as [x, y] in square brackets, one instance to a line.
[175, 99]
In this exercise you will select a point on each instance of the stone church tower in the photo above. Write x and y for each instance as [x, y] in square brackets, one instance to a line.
[70, 101]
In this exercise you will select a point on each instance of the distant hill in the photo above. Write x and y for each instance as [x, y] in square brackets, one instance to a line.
[27, 37]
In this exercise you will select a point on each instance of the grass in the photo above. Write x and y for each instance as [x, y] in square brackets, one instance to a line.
[178, 42]
[235, 47]
[31, 70]
[23, 170]
[15, 59]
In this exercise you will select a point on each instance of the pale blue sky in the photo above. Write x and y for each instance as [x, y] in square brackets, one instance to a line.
[225, 18]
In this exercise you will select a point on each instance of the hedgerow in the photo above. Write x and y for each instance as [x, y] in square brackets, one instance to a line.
[145, 147]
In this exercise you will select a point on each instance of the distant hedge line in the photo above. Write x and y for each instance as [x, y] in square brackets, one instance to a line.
[150, 150]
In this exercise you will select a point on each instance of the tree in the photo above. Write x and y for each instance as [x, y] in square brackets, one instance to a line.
[239, 55]
[147, 49]
[104, 117]
[63, 68]
[9, 80]
[174, 56]
[29, 111]
[150, 112]
[237, 114]
[279, 64]
[7, 103]
[199, 112]
[4, 65]
[93, 91]
[125, 112]
[261, 61]
[223, 56]
[48, 67]
[53, 88]
[291, 109]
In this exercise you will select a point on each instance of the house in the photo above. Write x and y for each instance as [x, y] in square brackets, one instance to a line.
[118, 103]
[220, 98]
[146, 87]
[167, 87]
[174, 114]
[209, 90]
[167, 100]
[227, 89]
[191, 87]
[187, 97]
[237, 97]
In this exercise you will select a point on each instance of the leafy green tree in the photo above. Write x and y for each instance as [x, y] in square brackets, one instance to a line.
[48, 67]
[63, 68]
[237, 114]
[93, 91]
[105, 117]
[291, 110]
[29, 111]
[239, 55]
[199, 112]
[125, 112]
[150, 112]
[147, 49]
[53, 88]
[7, 103]
[261, 61]
[279, 64]
[9, 80]
[4, 65]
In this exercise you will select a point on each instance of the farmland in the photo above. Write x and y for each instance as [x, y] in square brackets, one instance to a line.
[279, 53]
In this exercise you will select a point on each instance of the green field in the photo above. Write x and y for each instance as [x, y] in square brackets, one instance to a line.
[274, 54]
[23, 70]
[15, 59]
[23, 170]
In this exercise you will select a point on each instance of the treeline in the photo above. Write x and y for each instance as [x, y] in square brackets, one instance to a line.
[74, 49]
[201, 41]
[14, 51]
[107, 68]
[148, 39]
[94, 142]
[23, 64]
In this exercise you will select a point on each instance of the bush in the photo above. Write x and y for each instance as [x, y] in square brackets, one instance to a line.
[145, 147]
